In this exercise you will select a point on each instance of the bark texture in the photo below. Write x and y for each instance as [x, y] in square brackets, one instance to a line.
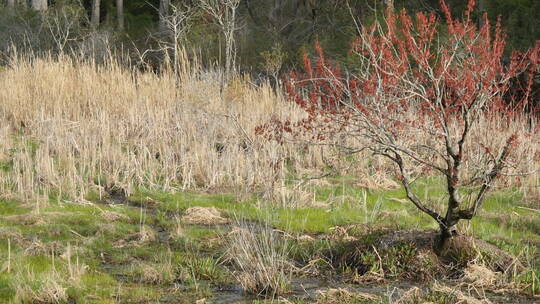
[120, 14]
[39, 5]
[96, 6]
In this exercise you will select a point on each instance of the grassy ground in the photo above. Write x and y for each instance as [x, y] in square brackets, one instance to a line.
[139, 250]
[85, 146]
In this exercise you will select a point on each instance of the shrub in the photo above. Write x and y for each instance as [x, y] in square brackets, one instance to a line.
[428, 96]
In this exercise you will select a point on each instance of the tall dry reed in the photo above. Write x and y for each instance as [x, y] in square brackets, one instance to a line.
[73, 127]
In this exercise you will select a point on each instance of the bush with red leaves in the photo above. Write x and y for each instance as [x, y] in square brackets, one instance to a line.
[427, 92]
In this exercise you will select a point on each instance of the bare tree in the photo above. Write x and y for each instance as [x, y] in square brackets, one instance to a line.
[427, 104]
[96, 7]
[120, 14]
[63, 24]
[224, 13]
[175, 27]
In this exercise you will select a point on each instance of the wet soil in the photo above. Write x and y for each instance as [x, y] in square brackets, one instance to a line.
[306, 288]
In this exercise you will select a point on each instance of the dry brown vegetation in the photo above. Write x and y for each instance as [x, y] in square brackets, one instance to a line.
[76, 131]
[261, 259]
[72, 128]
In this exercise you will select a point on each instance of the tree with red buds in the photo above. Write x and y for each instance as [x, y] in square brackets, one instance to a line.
[427, 92]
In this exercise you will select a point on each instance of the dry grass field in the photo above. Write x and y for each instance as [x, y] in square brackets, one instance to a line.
[124, 186]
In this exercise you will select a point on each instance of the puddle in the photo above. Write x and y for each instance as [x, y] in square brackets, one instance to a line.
[301, 288]
[308, 288]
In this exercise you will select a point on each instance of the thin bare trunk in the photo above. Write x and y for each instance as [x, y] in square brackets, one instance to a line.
[95, 13]
[39, 5]
[224, 13]
[163, 14]
[120, 14]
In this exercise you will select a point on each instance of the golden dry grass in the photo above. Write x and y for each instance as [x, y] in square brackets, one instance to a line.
[73, 127]
[260, 258]
[203, 216]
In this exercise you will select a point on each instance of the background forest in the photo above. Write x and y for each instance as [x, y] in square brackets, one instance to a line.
[268, 34]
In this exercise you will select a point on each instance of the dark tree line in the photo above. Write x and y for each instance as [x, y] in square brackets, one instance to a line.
[268, 33]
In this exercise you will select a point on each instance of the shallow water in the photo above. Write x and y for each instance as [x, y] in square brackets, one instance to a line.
[307, 288]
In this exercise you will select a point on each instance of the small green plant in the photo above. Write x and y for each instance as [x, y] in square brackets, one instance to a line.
[205, 268]
[273, 60]
[398, 260]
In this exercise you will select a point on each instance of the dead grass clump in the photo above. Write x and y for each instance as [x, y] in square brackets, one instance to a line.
[148, 274]
[341, 295]
[284, 196]
[203, 216]
[28, 219]
[377, 181]
[439, 293]
[260, 258]
[155, 273]
[48, 288]
[480, 276]
[341, 233]
[144, 236]
[410, 296]
[37, 247]
[464, 250]
[457, 295]
[111, 216]
[12, 233]
[304, 238]
[107, 228]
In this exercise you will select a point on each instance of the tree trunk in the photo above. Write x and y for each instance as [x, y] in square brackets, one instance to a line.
[39, 5]
[120, 14]
[11, 5]
[443, 242]
[163, 14]
[95, 13]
